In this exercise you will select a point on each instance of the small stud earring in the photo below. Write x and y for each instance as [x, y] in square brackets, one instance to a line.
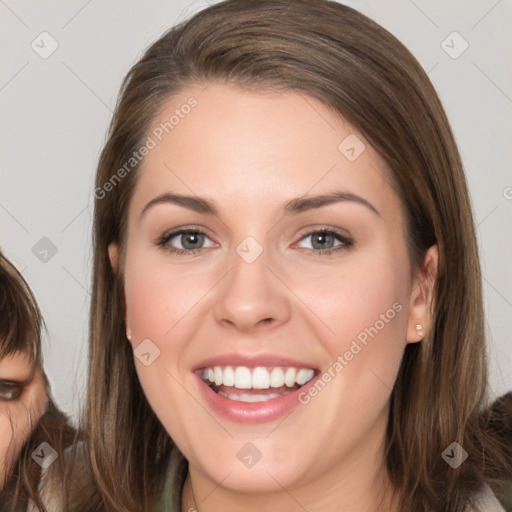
[128, 335]
[419, 329]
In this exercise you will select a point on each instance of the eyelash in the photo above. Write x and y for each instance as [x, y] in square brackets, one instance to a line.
[163, 241]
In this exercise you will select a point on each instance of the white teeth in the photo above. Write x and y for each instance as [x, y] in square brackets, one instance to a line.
[289, 377]
[217, 372]
[277, 377]
[260, 378]
[241, 377]
[304, 375]
[229, 376]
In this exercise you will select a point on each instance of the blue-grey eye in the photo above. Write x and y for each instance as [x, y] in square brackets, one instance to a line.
[10, 390]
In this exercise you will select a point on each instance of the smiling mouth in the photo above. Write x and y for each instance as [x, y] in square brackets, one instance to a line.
[258, 384]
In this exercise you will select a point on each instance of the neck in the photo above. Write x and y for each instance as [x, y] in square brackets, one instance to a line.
[357, 483]
[379, 497]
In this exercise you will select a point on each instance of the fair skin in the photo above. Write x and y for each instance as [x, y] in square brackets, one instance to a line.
[22, 389]
[249, 153]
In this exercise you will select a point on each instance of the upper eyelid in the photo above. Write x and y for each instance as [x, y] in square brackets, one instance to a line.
[171, 233]
[193, 228]
[186, 228]
[304, 231]
[315, 229]
[11, 383]
[18, 382]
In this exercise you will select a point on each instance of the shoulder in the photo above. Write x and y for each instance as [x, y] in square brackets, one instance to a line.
[52, 489]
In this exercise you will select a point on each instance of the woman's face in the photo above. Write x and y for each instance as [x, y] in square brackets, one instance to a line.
[264, 185]
[22, 402]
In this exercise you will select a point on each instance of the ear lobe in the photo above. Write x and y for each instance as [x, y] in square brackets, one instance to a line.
[113, 255]
[421, 297]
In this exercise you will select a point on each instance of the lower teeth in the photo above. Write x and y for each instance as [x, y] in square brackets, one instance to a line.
[245, 397]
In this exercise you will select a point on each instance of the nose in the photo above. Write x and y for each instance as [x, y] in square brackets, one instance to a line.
[251, 297]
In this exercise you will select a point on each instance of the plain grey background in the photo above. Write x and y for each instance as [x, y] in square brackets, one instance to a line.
[56, 109]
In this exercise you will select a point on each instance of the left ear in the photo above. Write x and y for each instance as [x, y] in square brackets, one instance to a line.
[113, 255]
[420, 302]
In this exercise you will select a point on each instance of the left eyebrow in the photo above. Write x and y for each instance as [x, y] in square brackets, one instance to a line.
[292, 207]
[302, 204]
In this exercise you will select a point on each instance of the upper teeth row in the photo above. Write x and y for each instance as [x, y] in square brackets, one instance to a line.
[242, 377]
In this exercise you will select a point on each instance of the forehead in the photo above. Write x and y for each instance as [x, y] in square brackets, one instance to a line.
[258, 147]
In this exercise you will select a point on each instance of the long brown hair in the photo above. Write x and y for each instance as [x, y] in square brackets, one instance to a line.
[365, 75]
[21, 324]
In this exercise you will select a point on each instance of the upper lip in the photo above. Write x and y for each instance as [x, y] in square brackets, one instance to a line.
[252, 361]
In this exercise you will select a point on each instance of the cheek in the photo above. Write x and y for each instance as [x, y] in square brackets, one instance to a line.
[363, 308]
[163, 306]
[6, 433]
[13, 422]
[362, 297]
[158, 297]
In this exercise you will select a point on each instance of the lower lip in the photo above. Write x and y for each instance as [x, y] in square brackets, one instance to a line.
[252, 412]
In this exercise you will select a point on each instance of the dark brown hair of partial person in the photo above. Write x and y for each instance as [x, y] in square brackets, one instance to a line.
[21, 324]
[363, 74]
[24, 484]
[20, 319]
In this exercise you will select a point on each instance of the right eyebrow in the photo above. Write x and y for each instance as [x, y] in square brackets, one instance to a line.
[195, 204]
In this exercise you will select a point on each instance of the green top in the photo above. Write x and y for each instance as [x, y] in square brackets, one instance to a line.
[166, 500]
[169, 501]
